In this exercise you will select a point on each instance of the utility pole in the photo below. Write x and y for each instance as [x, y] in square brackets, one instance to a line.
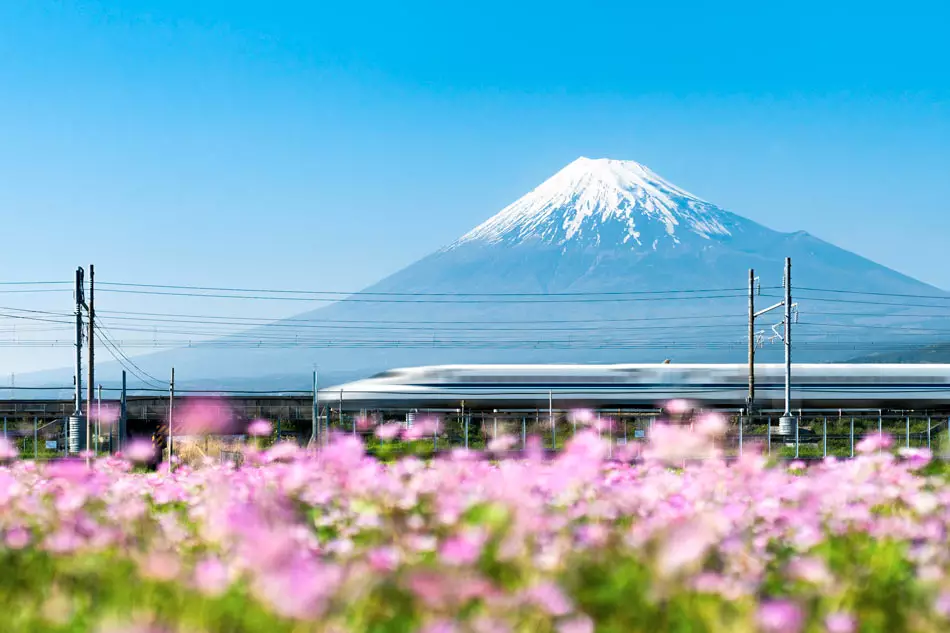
[90, 341]
[341, 411]
[123, 412]
[74, 435]
[316, 416]
[171, 405]
[787, 339]
[98, 417]
[750, 403]
[787, 423]
[465, 424]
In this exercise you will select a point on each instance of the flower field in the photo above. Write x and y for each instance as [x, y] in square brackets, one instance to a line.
[593, 540]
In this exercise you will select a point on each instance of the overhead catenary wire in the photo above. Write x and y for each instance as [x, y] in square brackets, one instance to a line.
[137, 371]
[358, 298]
[267, 321]
[426, 294]
[124, 361]
[944, 297]
[217, 331]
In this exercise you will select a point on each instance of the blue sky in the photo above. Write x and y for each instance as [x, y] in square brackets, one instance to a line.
[324, 145]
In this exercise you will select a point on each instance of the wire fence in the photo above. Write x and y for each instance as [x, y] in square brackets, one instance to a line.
[507, 433]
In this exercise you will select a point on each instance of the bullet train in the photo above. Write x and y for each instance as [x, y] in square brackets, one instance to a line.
[888, 386]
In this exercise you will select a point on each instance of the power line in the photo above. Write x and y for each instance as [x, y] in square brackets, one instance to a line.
[423, 294]
[487, 344]
[877, 294]
[62, 314]
[121, 358]
[103, 333]
[34, 290]
[31, 318]
[358, 298]
[490, 328]
[865, 302]
[254, 321]
[906, 329]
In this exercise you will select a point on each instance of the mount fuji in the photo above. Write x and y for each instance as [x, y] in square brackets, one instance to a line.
[605, 261]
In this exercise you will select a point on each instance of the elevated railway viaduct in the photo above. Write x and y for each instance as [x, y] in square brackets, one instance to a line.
[292, 416]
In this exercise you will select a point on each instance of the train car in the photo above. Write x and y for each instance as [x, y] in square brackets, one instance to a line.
[889, 386]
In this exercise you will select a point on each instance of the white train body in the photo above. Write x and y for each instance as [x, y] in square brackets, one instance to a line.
[887, 386]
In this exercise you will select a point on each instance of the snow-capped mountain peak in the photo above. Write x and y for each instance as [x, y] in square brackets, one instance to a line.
[603, 201]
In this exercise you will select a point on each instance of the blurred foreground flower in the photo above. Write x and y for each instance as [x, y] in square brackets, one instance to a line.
[140, 450]
[203, 416]
[106, 414]
[260, 428]
[8, 450]
[335, 541]
[874, 443]
[502, 443]
[389, 430]
[840, 623]
[780, 616]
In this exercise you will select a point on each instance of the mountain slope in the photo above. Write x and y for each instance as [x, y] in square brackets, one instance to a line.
[605, 203]
[936, 353]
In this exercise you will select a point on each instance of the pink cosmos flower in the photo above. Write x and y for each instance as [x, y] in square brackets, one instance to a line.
[673, 444]
[461, 550]
[549, 597]
[299, 588]
[71, 470]
[593, 534]
[282, 451]
[422, 428]
[678, 407]
[17, 538]
[873, 443]
[206, 415]
[383, 559]
[260, 428]
[534, 450]
[163, 566]
[582, 416]
[578, 624]
[388, 431]
[463, 455]
[502, 443]
[942, 604]
[8, 449]
[429, 587]
[711, 424]
[780, 616]
[840, 623]
[915, 457]
[140, 450]
[107, 414]
[211, 577]
[810, 569]
[685, 546]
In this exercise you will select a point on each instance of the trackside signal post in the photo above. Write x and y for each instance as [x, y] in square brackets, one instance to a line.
[787, 423]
